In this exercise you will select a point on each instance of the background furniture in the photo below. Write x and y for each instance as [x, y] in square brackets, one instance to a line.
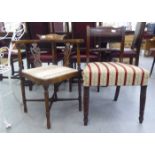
[5, 67]
[152, 53]
[134, 51]
[79, 31]
[44, 28]
[52, 74]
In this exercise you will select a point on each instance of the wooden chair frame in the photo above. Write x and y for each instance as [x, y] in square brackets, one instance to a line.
[57, 81]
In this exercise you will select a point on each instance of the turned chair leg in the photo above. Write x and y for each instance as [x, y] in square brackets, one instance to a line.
[79, 91]
[142, 103]
[117, 93]
[23, 93]
[152, 66]
[46, 95]
[86, 105]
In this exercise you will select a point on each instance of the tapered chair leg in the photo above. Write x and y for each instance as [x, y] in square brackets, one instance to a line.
[142, 103]
[79, 91]
[86, 105]
[117, 93]
[46, 95]
[23, 93]
[152, 66]
[70, 85]
[131, 60]
[98, 88]
[12, 67]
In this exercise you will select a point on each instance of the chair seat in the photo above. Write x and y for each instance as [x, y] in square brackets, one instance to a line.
[49, 74]
[114, 74]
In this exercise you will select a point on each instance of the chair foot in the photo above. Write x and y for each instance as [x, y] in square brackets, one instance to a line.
[141, 120]
[85, 121]
[25, 110]
[98, 88]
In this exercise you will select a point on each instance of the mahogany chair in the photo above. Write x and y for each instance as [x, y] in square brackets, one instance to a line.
[52, 74]
[112, 74]
[134, 51]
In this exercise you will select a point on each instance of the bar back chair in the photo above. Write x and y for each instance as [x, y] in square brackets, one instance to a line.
[134, 51]
[112, 74]
[52, 74]
[5, 66]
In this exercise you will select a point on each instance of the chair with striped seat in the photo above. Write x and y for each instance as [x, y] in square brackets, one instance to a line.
[114, 74]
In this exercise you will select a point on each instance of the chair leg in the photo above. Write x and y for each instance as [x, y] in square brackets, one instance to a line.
[142, 103]
[79, 91]
[70, 80]
[46, 95]
[152, 66]
[131, 60]
[117, 93]
[23, 93]
[30, 85]
[1, 77]
[12, 67]
[137, 60]
[70, 84]
[86, 104]
[98, 88]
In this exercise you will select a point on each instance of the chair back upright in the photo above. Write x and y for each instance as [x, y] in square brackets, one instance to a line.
[105, 34]
[138, 36]
[137, 40]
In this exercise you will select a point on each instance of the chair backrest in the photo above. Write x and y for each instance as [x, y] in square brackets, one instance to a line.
[16, 35]
[105, 34]
[138, 36]
[59, 27]
[79, 30]
[34, 45]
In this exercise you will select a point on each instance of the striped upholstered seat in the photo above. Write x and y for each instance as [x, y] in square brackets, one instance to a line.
[114, 74]
[51, 73]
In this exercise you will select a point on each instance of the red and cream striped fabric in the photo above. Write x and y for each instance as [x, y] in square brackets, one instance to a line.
[114, 74]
